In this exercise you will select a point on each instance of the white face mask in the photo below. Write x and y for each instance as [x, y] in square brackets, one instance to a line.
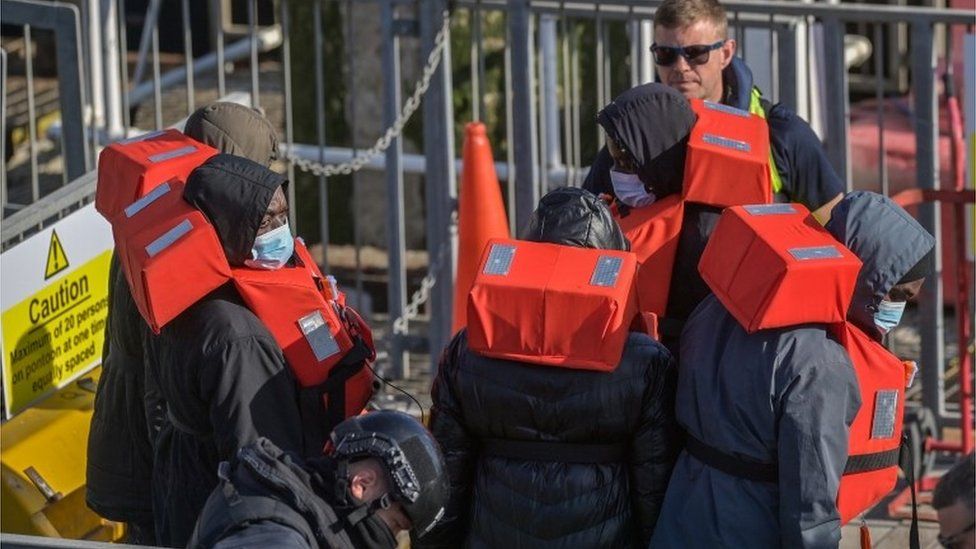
[272, 250]
[888, 315]
[630, 190]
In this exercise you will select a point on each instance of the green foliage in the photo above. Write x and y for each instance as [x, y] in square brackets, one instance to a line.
[336, 126]
[580, 36]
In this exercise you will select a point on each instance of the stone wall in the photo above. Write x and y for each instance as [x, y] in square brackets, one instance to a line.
[364, 116]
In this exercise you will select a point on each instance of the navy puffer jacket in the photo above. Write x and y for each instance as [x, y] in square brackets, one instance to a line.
[546, 503]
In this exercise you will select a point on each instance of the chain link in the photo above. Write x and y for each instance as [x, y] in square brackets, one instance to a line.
[422, 294]
[394, 131]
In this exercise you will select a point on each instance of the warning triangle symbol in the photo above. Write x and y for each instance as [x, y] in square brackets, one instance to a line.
[57, 261]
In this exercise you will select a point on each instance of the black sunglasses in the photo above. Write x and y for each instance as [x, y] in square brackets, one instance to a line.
[950, 542]
[696, 54]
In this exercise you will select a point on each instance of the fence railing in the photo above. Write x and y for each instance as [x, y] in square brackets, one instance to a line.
[62, 20]
[536, 71]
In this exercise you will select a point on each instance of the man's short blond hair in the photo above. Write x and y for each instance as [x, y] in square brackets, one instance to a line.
[676, 14]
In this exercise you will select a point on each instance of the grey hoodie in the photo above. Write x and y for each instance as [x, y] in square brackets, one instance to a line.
[887, 240]
[785, 396]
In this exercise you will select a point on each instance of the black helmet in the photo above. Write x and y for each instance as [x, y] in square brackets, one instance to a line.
[410, 454]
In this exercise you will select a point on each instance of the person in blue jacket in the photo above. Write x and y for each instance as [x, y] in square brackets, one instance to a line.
[694, 55]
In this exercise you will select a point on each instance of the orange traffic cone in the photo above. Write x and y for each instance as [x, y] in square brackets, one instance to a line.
[481, 214]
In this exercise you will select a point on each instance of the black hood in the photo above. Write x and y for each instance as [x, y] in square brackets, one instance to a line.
[653, 122]
[574, 217]
[234, 193]
[889, 243]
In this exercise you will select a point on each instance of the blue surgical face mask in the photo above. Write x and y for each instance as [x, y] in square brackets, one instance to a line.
[630, 190]
[272, 250]
[888, 315]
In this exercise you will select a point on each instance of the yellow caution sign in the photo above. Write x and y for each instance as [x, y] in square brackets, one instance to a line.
[52, 319]
[57, 261]
[53, 312]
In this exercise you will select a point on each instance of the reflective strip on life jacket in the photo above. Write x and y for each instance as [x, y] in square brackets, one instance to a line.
[552, 305]
[169, 252]
[130, 169]
[755, 107]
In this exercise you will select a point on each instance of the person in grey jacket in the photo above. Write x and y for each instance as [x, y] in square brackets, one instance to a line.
[783, 396]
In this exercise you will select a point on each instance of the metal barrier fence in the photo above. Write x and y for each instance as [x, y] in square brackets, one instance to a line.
[536, 70]
[16, 541]
[63, 21]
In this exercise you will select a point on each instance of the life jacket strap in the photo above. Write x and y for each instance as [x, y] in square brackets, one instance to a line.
[769, 472]
[329, 397]
[907, 464]
[670, 327]
[729, 464]
[567, 452]
[871, 462]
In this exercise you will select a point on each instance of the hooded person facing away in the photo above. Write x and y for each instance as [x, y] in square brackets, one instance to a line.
[784, 397]
[119, 466]
[219, 372]
[498, 500]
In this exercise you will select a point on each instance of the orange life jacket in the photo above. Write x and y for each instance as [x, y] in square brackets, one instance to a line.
[774, 266]
[169, 252]
[727, 165]
[172, 258]
[129, 169]
[552, 305]
[314, 328]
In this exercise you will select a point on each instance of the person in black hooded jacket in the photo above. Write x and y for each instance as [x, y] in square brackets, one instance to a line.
[647, 129]
[221, 375]
[707, 68]
[555, 502]
[119, 465]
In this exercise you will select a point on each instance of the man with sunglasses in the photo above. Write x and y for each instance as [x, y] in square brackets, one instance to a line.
[954, 500]
[695, 57]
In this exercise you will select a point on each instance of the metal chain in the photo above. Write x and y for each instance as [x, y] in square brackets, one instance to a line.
[394, 131]
[422, 294]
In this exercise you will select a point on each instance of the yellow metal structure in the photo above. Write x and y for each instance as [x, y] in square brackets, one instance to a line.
[43, 452]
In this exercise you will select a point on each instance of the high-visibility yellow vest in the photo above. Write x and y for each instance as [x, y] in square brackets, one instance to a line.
[755, 107]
